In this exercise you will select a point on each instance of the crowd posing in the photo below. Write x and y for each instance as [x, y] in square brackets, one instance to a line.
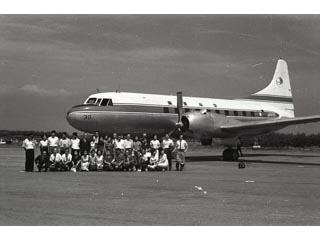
[104, 153]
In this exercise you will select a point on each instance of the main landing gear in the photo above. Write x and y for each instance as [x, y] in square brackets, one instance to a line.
[230, 154]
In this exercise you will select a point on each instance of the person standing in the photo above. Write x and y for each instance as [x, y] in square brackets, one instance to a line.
[167, 145]
[64, 143]
[53, 141]
[181, 149]
[155, 145]
[29, 145]
[43, 144]
[84, 144]
[128, 143]
[75, 143]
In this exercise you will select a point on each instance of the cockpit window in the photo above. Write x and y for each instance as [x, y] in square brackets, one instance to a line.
[99, 100]
[91, 101]
[106, 102]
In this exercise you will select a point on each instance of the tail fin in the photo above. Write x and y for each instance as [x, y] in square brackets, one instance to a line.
[278, 90]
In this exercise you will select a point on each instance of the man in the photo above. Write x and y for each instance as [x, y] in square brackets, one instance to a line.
[119, 144]
[75, 143]
[43, 144]
[66, 160]
[155, 144]
[128, 143]
[137, 152]
[55, 160]
[181, 148]
[53, 141]
[29, 145]
[43, 161]
[107, 161]
[84, 144]
[167, 145]
[64, 143]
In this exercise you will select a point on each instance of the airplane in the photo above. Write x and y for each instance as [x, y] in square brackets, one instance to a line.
[205, 119]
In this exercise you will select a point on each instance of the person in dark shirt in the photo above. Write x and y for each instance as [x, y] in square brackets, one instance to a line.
[43, 161]
[84, 145]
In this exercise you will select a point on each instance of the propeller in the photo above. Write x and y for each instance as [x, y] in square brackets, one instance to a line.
[179, 123]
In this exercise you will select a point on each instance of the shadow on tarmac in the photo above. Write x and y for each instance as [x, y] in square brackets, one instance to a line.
[218, 158]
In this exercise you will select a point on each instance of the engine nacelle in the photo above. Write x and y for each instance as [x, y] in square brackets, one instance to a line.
[205, 124]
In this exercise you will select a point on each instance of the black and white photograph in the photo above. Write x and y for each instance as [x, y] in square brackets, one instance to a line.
[159, 119]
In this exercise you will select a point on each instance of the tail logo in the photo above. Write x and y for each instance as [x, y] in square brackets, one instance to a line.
[279, 81]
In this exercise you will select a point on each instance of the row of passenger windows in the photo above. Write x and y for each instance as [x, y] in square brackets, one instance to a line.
[200, 104]
[100, 101]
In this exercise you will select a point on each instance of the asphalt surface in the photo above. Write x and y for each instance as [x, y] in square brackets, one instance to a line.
[275, 188]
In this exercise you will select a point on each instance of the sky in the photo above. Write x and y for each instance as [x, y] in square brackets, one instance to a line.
[48, 63]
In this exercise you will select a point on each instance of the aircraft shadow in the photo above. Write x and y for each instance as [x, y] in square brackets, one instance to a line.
[281, 155]
[218, 158]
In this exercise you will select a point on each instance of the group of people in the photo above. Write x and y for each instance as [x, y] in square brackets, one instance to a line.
[104, 153]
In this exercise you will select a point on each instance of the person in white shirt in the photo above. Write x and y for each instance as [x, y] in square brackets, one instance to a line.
[99, 160]
[66, 160]
[119, 143]
[84, 161]
[55, 161]
[53, 141]
[29, 145]
[154, 159]
[75, 143]
[43, 144]
[163, 163]
[181, 148]
[168, 146]
[145, 159]
[64, 143]
[128, 143]
[155, 143]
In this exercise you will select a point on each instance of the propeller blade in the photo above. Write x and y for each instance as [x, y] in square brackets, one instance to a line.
[179, 105]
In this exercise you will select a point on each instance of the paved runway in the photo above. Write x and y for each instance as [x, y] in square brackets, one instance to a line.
[276, 188]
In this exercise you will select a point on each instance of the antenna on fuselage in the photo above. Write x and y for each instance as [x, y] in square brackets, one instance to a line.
[118, 89]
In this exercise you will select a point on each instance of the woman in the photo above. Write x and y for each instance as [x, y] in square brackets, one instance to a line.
[163, 163]
[76, 159]
[29, 146]
[84, 163]
[99, 160]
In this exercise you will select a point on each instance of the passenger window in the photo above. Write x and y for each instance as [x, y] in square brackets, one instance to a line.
[252, 114]
[166, 110]
[244, 113]
[235, 113]
[91, 101]
[217, 111]
[226, 112]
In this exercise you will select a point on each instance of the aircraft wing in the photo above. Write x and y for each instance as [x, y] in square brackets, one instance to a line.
[268, 125]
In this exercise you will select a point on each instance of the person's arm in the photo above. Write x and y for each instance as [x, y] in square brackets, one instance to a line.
[186, 146]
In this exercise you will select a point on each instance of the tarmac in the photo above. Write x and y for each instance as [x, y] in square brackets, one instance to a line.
[275, 188]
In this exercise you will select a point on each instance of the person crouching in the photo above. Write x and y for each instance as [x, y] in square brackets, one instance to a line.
[43, 161]
[55, 160]
[99, 160]
[163, 162]
[128, 164]
[154, 159]
[84, 163]
[92, 161]
[66, 160]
